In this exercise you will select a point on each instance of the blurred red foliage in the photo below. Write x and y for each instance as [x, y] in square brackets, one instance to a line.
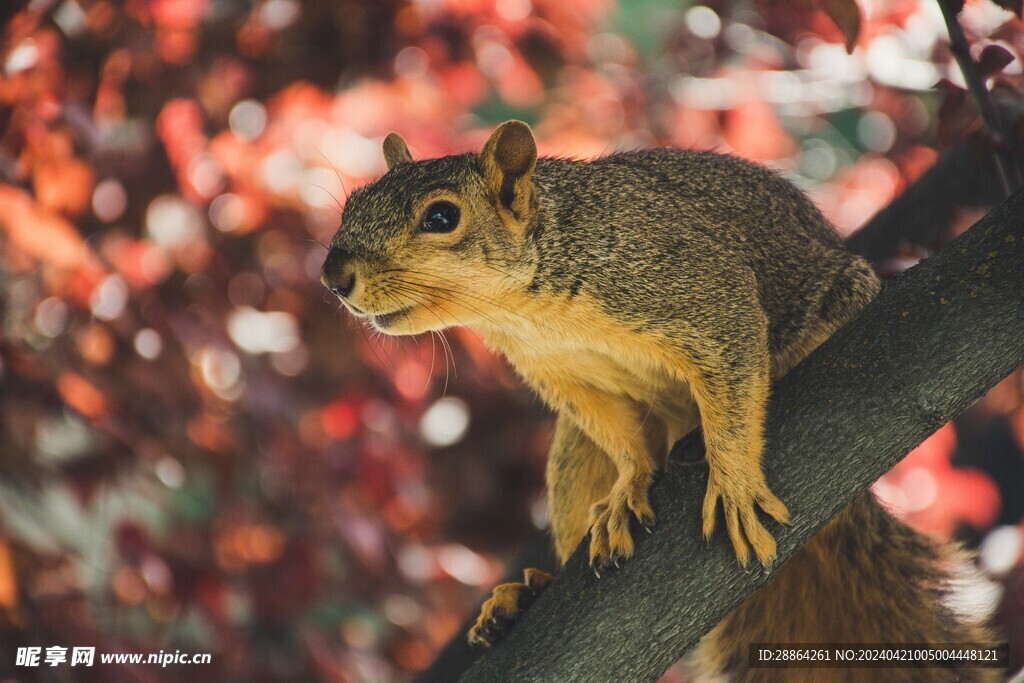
[199, 451]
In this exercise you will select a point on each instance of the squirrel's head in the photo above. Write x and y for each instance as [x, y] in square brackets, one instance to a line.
[441, 242]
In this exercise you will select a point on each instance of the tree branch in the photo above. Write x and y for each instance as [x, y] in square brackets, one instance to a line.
[963, 177]
[932, 342]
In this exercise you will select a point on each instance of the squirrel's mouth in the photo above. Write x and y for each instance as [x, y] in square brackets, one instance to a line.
[385, 320]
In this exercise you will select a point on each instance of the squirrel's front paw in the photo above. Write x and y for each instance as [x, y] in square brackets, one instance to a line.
[739, 495]
[610, 538]
[505, 606]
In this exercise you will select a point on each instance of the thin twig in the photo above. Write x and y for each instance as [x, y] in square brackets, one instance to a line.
[962, 52]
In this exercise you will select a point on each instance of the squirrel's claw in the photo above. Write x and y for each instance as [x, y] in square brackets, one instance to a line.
[610, 537]
[739, 497]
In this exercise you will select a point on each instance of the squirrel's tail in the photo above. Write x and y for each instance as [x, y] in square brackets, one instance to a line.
[865, 578]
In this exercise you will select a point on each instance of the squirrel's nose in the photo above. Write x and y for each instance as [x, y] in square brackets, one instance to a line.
[338, 275]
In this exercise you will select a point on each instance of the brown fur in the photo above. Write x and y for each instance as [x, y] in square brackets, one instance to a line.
[640, 295]
[865, 578]
[505, 606]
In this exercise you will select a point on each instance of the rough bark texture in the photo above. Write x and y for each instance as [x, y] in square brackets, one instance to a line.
[935, 339]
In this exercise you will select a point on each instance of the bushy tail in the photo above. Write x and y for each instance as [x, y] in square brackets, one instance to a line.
[865, 578]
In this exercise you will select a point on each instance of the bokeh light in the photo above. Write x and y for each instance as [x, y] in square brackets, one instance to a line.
[200, 449]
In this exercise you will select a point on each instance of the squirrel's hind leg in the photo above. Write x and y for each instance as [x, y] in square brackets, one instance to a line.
[616, 425]
[579, 474]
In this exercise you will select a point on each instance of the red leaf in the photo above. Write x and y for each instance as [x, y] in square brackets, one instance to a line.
[993, 59]
[8, 578]
[82, 395]
[45, 236]
[958, 114]
[846, 15]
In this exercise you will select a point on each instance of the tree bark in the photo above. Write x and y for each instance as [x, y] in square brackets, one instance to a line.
[934, 340]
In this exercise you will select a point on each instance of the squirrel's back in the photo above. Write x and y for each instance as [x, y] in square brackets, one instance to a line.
[720, 193]
[661, 207]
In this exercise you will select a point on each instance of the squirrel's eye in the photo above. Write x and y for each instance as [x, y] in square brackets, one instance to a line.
[440, 217]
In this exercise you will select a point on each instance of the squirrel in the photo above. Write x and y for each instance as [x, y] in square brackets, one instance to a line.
[641, 295]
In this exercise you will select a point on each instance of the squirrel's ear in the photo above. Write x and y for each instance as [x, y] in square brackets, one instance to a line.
[507, 162]
[395, 150]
